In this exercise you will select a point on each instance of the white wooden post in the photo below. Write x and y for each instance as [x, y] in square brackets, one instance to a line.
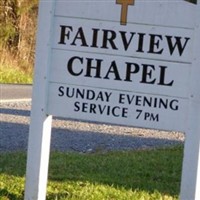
[190, 184]
[40, 127]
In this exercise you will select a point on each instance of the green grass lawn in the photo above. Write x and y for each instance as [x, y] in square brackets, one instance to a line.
[135, 175]
[10, 74]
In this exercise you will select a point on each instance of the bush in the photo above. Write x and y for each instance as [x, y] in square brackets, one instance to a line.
[17, 31]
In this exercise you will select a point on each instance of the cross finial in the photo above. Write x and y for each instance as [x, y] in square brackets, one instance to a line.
[124, 10]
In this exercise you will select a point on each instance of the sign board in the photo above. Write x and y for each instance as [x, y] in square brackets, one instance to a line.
[131, 73]
[134, 66]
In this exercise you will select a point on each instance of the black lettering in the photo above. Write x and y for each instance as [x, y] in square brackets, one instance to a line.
[125, 112]
[65, 33]
[178, 44]
[90, 95]
[130, 98]
[162, 77]
[84, 107]
[77, 107]
[130, 71]
[60, 89]
[93, 108]
[96, 68]
[113, 69]
[155, 44]
[94, 38]
[80, 93]
[109, 39]
[174, 104]
[124, 39]
[114, 111]
[121, 98]
[101, 109]
[70, 66]
[138, 100]
[141, 42]
[68, 92]
[147, 74]
[80, 36]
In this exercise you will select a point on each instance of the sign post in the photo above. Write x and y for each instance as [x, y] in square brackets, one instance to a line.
[190, 182]
[119, 67]
[40, 126]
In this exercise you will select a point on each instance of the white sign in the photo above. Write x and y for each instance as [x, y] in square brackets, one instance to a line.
[143, 67]
[135, 66]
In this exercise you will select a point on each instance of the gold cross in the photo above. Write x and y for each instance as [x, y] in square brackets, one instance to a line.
[124, 10]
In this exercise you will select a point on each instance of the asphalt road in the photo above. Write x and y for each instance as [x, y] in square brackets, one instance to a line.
[15, 92]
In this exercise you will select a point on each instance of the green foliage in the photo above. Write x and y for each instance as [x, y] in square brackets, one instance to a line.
[8, 20]
[17, 33]
[15, 75]
[14, 18]
[134, 175]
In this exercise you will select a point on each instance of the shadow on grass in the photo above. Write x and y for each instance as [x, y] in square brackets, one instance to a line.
[149, 171]
[141, 169]
[152, 170]
[4, 194]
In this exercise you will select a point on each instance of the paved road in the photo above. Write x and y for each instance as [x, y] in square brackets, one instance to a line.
[11, 92]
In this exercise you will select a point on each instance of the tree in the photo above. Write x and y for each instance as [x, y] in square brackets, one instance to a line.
[18, 27]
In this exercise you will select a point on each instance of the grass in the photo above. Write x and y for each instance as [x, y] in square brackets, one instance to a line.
[134, 175]
[10, 74]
